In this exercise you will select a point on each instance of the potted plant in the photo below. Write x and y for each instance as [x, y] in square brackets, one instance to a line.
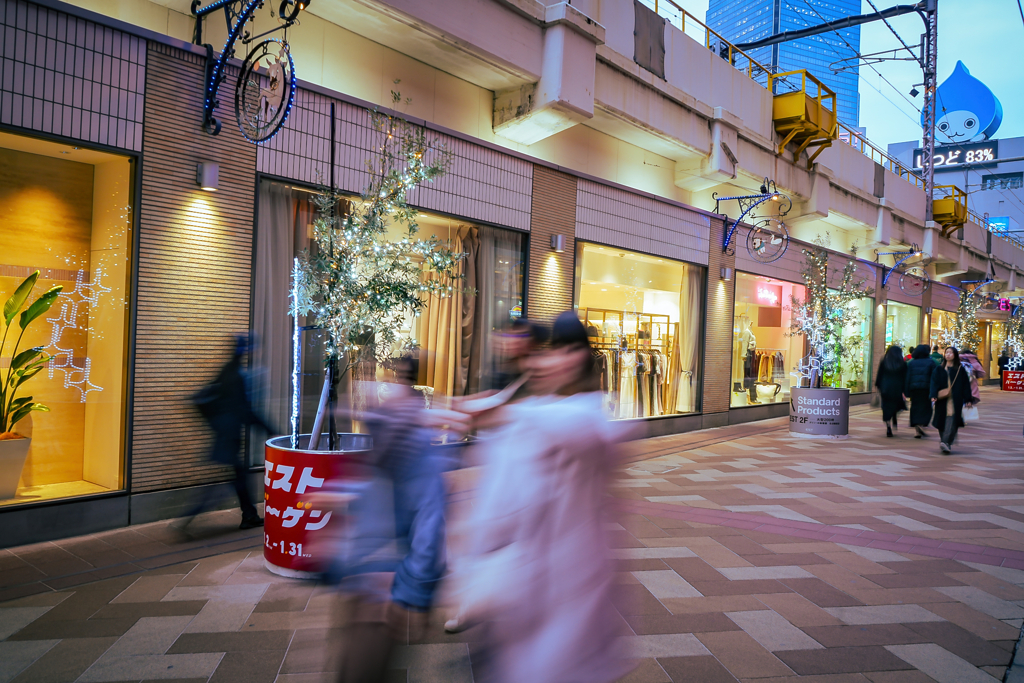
[24, 366]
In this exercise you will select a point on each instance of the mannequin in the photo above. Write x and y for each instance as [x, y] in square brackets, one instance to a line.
[747, 342]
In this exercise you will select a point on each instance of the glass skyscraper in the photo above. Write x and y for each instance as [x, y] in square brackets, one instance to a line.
[740, 21]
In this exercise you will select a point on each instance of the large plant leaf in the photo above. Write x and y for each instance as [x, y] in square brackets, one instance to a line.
[17, 300]
[40, 306]
[25, 357]
[23, 375]
[19, 402]
[23, 411]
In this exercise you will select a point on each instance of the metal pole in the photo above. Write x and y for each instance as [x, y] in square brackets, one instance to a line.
[930, 62]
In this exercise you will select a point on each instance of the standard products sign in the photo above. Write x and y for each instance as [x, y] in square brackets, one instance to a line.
[820, 413]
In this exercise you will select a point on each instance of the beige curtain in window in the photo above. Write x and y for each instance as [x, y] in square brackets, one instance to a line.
[441, 334]
[683, 384]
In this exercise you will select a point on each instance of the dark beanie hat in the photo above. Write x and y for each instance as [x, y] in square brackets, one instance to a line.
[568, 331]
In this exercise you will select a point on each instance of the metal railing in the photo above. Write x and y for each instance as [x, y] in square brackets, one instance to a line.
[873, 152]
[710, 39]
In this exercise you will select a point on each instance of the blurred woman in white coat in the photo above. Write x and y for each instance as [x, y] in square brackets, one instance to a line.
[539, 573]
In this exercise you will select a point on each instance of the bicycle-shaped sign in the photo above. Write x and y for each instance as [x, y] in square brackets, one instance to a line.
[265, 91]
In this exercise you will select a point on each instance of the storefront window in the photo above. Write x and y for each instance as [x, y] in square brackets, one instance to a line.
[902, 325]
[644, 315]
[765, 353]
[855, 359]
[452, 335]
[67, 215]
[943, 324]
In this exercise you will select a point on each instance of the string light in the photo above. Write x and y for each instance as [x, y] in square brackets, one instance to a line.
[358, 285]
[823, 316]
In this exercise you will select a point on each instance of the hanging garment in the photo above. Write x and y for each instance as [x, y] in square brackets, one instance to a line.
[643, 402]
[657, 381]
[627, 385]
[779, 374]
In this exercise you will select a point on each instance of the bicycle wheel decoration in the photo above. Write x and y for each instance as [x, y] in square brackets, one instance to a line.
[768, 240]
[265, 90]
[915, 281]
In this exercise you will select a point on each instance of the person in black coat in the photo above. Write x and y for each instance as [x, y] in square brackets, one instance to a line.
[891, 380]
[228, 410]
[949, 416]
[918, 388]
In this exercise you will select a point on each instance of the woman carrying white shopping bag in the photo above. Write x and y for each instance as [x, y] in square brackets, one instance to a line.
[950, 392]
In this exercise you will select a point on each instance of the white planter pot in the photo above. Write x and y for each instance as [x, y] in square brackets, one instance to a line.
[13, 453]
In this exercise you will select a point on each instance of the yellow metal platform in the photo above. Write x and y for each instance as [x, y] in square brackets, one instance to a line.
[949, 208]
[803, 117]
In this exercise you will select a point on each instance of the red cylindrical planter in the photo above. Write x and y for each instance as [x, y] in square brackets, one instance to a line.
[292, 523]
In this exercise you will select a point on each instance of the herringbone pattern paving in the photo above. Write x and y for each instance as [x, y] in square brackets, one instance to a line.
[743, 554]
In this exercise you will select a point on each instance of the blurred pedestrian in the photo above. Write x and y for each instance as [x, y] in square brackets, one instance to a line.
[1002, 362]
[513, 346]
[397, 521]
[950, 391]
[226, 405]
[891, 380]
[975, 371]
[919, 383]
[540, 572]
[937, 355]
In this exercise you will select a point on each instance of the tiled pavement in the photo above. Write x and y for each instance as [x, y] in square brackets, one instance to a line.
[743, 554]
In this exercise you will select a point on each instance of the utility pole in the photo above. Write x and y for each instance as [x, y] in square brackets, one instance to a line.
[929, 65]
[928, 10]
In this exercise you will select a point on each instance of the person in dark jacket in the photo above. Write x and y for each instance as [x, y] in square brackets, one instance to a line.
[937, 355]
[949, 417]
[226, 405]
[1002, 362]
[891, 380]
[919, 383]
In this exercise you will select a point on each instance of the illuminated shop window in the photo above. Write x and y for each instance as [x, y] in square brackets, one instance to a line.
[764, 352]
[644, 315]
[67, 216]
[902, 326]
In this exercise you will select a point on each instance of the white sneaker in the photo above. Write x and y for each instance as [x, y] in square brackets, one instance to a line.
[455, 625]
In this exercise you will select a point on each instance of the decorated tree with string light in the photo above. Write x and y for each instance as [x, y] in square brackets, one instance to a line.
[356, 284]
[823, 314]
[964, 334]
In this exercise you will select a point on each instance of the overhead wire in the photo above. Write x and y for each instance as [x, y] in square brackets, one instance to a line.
[898, 37]
[857, 53]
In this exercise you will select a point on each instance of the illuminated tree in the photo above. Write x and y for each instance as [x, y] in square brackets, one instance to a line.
[357, 285]
[823, 315]
[964, 334]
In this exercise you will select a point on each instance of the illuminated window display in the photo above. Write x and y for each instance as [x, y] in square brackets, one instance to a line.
[453, 333]
[902, 325]
[855, 361]
[943, 324]
[764, 352]
[67, 215]
[644, 315]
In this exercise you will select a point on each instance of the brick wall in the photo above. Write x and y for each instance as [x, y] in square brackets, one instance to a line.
[719, 309]
[194, 270]
[551, 274]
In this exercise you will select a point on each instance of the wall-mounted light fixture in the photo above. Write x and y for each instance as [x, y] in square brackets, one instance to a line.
[928, 310]
[558, 243]
[207, 175]
[725, 274]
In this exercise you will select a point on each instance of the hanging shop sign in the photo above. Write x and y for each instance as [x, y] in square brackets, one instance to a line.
[819, 413]
[1013, 380]
[768, 239]
[914, 280]
[297, 528]
[265, 90]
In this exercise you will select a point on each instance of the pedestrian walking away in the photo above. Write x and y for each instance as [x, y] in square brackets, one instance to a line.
[1002, 362]
[950, 392]
[918, 387]
[937, 356]
[226, 405]
[891, 380]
